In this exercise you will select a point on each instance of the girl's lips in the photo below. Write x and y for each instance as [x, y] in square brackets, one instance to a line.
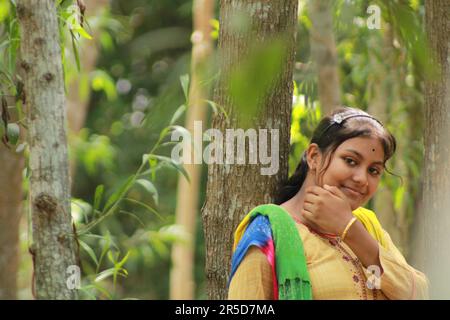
[351, 192]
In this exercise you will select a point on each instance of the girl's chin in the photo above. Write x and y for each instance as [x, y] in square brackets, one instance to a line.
[356, 204]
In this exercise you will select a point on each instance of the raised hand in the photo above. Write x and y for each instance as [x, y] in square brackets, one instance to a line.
[327, 208]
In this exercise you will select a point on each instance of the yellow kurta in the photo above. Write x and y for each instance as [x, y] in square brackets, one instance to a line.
[335, 272]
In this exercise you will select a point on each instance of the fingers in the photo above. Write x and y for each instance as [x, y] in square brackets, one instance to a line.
[316, 190]
[334, 190]
[319, 191]
[308, 206]
[308, 215]
[311, 197]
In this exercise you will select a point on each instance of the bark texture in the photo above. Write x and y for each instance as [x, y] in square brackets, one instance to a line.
[436, 188]
[232, 190]
[324, 55]
[10, 214]
[54, 247]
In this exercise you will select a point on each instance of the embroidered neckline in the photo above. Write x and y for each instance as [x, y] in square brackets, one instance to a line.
[323, 235]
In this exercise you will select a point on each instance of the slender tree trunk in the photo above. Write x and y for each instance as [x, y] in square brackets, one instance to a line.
[387, 100]
[54, 246]
[10, 214]
[323, 52]
[182, 273]
[78, 104]
[437, 150]
[416, 127]
[232, 190]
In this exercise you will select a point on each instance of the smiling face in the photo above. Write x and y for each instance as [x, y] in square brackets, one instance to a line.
[355, 168]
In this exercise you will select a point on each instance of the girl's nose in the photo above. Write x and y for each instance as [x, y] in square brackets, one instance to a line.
[360, 176]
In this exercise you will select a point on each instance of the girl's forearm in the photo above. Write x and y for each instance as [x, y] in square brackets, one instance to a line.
[363, 245]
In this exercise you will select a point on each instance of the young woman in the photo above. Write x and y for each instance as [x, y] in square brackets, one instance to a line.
[317, 241]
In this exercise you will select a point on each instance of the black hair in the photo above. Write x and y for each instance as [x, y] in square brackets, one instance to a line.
[341, 124]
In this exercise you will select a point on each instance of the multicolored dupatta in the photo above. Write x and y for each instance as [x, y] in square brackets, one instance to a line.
[273, 230]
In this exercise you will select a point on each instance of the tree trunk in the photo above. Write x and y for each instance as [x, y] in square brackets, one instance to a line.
[437, 150]
[77, 104]
[387, 86]
[182, 273]
[232, 190]
[323, 52]
[10, 214]
[54, 246]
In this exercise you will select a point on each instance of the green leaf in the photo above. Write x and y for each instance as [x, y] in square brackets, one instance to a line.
[169, 144]
[145, 206]
[21, 147]
[105, 274]
[159, 246]
[173, 163]
[101, 80]
[215, 24]
[75, 52]
[106, 41]
[116, 196]
[215, 108]
[83, 33]
[113, 258]
[123, 261]
[133, 216]
[89, 250]
[164, 132]
[13, 132]
[251, 82]
[105, 249]
[153, 163]
[97, 287]
[98, 196]
[150, 187]
[4, 10]
[216, 27]
[145, 158]
[184, 79]
[181, 109]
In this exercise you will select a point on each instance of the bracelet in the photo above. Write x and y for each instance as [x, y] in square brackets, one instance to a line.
[347, 228]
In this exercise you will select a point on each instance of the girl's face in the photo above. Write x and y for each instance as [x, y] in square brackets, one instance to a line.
[355, 168]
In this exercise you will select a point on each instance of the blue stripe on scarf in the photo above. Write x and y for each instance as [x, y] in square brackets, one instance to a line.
[258, 233]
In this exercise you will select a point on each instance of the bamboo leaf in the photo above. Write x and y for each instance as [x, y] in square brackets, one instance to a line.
[181, 109]
[150, 187]
[116, 196]
[146, 207]
[172, 163]
[184, 79]
[216, 108]
[105, 274]
[83, 33]
[89, 251]
[123, 261]
[75, 52]
[133, 216]
[98, 196]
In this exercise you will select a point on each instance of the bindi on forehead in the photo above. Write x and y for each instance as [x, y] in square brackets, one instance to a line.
[359, 155]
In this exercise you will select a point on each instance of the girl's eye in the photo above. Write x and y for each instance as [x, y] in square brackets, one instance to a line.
[374, 171]
[350, 161]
